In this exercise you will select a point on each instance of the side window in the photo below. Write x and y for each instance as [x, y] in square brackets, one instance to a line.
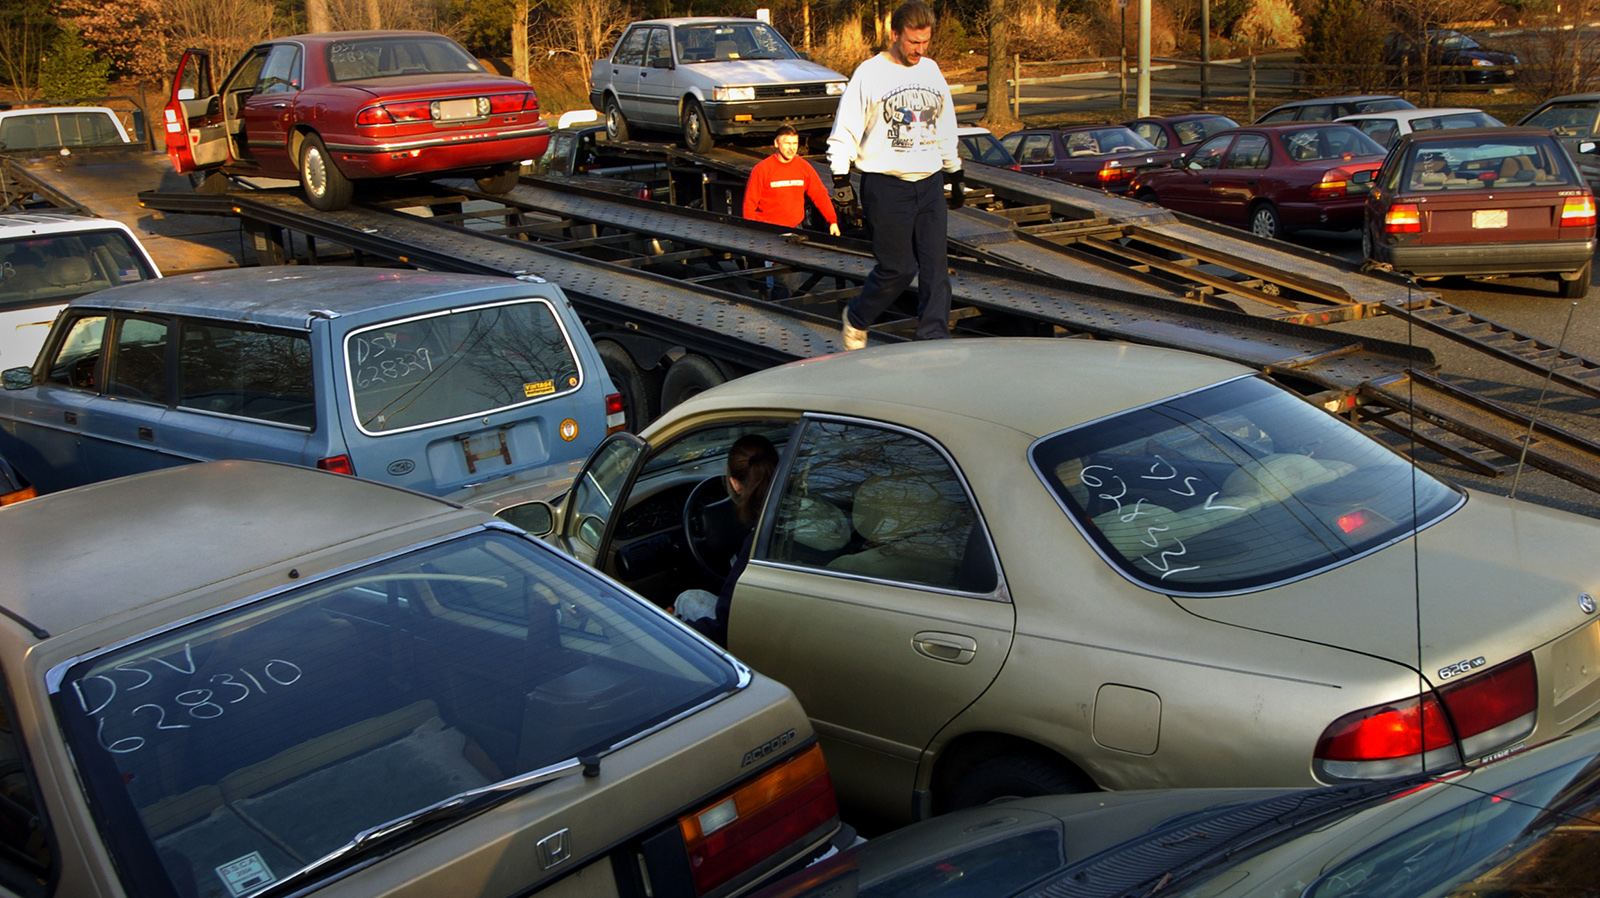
[630, 50]
[25, 858]
[1249, 152]
[281, 72]
[1037, 149]
[1381, 130]
[1152, 132]
[77, 360]
[1319, 113]
[882, 504]
[1211, 153]
[660, 47]
[252, 373]
[1282, 115]
[246, 76]
[139, 360]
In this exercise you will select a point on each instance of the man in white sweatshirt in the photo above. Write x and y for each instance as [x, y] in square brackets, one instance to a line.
[897, 123]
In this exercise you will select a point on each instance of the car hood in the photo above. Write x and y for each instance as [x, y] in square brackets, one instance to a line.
[1493, 580]
[1498, 57]
[737, 72]
[451, 85]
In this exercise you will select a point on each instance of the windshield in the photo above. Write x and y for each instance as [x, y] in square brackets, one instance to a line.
[50, 130]
[1328, 142]
[1196, 130]
[1104, 140]
[227, 754]
[391, 57]
[1233, 488]
[1480, 164]
[1455, 120]
[458, 364]
[985, 149]
[730, 40]
[53, 268]
[1455, 40]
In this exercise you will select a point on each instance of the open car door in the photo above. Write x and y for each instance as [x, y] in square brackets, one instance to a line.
[197, 136]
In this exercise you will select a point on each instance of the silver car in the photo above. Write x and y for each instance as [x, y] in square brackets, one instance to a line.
[708, 78]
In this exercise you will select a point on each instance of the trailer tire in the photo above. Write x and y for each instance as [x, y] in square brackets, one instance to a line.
[688, 376]
[325, 186]
[639, 389]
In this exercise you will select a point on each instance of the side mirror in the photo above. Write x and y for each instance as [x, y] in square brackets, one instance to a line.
[18, 378]
[661, 62]
[1586, 147]
[538, 518]
[186, 93]
[1192, 166]
[802, 54]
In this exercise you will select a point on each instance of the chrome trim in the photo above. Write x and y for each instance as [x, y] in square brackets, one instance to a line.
[427, 143]
[1182, 594]
[349, 378]
[189, 409]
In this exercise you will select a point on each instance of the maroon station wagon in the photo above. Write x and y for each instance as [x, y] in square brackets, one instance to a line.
[1271, 179]
[330, 109]
[1483, 201]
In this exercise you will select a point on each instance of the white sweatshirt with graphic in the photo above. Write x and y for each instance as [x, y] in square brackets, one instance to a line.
[895, 120]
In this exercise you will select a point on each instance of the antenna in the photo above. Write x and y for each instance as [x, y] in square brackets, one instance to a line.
[1538, 406]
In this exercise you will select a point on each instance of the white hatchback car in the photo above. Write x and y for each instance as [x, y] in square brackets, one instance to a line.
[1388, 127]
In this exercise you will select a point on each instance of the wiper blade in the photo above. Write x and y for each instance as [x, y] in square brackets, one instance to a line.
[457, 805]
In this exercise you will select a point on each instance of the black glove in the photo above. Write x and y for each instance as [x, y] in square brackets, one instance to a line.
[841, 181]
[957, 197]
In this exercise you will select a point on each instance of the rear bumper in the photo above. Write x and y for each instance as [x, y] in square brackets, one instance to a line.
[1334, 215]
[1555, 256]
[445, 152]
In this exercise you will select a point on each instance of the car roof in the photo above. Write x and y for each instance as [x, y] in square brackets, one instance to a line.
[329, 37]
[1180, 117]
[972, 131]
[94, 551]
[52, 110]
[696, 20]
[1353, 98]
[1292, 126]
[1471, 133]
[22, 224]
[288, 296]
[1410, 114]
[1052, 383]
[1573, 98]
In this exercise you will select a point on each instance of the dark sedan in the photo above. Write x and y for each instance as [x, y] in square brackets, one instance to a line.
[1271, 179]
[1101, 156]
[1173, 131]
[1465, 60]
[331, 109]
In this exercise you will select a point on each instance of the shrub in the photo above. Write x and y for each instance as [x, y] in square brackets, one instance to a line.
[1269, 23]
[1345, 37]
[69, 69]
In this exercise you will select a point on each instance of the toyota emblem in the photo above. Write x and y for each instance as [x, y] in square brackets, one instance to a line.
[1586, 602]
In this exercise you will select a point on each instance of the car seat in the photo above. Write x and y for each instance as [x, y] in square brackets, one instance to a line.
[23, 272]
[912, 531]
[726, 49]
[71, 273]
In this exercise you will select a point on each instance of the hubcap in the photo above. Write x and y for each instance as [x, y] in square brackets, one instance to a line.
[316, 172]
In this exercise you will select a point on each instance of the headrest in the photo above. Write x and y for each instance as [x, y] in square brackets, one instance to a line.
[892, 508]
[819, 525]
[69, 272]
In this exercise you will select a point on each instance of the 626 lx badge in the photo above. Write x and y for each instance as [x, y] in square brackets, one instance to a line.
[1461, 667]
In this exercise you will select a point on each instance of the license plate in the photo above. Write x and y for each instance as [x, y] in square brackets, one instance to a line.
[449, 110]
[1489, 218]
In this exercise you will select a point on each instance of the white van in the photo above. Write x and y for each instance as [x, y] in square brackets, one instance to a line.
[49, 258]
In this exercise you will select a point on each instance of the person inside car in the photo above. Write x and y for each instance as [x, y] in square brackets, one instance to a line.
[752, 461]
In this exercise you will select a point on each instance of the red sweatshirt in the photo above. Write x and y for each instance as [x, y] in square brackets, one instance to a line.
[777, 191]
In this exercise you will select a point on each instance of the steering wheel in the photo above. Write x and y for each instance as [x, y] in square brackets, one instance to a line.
[712, 527]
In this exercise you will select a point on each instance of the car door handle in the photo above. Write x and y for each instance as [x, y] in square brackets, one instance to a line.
[70, 418]
[147, 434]
[280, 105]
[951, 647]
[1251, 183]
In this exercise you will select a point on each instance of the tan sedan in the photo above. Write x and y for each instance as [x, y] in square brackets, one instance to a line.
[1008, 567]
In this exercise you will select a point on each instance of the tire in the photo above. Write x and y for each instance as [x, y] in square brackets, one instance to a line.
[326, 187]
[501, 179]
[1264, 221]
[688, 376]
[696, 130]
[1578, 287]
[1013, 775]
[616, 124]
[639, 389]
[1148, 196]
[1366, 245]
[209, 183]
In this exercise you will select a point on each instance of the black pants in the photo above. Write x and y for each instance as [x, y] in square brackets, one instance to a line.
[909, 240]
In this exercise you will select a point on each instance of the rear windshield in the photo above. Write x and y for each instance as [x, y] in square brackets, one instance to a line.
[54, 268]
[1455, 120]
[1388, 104]
[51, 130]
[228, 753]
[1196, 130]
[391, 57]
[1232, 488]
[1328, 142]
[1480, 164]
[456, 364]
[1104, 140]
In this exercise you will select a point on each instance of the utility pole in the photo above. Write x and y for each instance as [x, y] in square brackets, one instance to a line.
[1205, 52]
[1144, 58]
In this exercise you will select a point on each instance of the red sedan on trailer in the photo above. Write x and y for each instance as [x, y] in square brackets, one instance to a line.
[1271, 179]
[331, 109]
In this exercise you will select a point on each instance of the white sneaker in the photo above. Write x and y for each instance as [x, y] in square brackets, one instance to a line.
[854, 337]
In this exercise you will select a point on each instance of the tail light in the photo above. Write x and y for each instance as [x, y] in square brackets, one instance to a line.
[1578, 212]
[615, 420]
[21, 495]
[1114, 172]
[396, 113]
[1466, 719]
[1014, 167]
[1334, 185]
[505, 104]
[1402, 218]
[338, 464]
[758, 820]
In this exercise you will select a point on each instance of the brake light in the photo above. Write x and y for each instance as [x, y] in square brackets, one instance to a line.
[417, 111]
[1333, 185]
[374, 115]
[1493, 708]
[760, 819]
[1115, 172]
[21, 495]
[615, 420]
[1014, 167]
[338, 464]
[1402, 218]
[1578, 212]
[505, 104]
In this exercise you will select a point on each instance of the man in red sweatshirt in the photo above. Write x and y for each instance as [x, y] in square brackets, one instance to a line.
[780, 183]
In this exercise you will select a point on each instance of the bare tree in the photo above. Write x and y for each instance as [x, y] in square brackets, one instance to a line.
[225, 29]
[1420, 17]
[998, 117]
[24, 29]
[520, 12]
[1561, 57]
[318, 18]
[583, 28]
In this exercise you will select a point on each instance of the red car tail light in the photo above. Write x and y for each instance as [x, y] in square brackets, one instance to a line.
[759, 819]
[615, 420]
[416, 111]
[338, 464]
[374, 115]
[1493, 708]
[1402, 218]
[1578, 212]
[1113, 172]
[505, 104]
[1333, 185]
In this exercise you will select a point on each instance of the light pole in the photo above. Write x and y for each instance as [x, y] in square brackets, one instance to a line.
[1144, 58]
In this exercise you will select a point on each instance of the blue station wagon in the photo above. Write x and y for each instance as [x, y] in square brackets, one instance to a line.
[429, 381]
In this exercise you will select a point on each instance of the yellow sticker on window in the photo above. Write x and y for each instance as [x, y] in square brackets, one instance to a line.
[539, 389]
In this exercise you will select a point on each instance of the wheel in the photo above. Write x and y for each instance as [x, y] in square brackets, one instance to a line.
[696, 130]
[639, 389]
[1013, 775]
[688, 376]
[210, 183]
[711, 527]
[501, 179]
[616, 125]
[1578, 287]
[1264, 221]
[1148, 196]
[327, 189]
[1366, 244]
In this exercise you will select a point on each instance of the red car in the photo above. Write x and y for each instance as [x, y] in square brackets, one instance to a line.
[1271, 178]
[331, 109]
[1183, 130]
[1103, 156]
[1483, 201]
